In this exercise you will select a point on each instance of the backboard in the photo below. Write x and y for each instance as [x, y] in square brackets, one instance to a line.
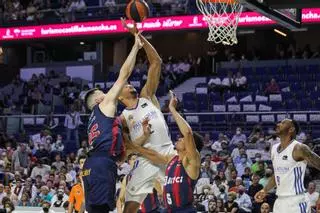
[286, 12]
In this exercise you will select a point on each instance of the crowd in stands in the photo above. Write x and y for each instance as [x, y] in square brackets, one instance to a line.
[37, 171]
[35, 11]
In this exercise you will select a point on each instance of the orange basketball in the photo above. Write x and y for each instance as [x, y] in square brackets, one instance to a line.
[137, 10]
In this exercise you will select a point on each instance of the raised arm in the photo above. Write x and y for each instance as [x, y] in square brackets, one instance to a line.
[302, 152]
[150, 88]
[108, 106]
[151, 155]
[192, 161]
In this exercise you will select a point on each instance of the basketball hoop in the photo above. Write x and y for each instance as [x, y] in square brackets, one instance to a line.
[222, 17]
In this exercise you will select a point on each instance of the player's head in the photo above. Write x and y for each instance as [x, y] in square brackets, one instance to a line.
[128, 92]
[132, 159]
[93, 97]
[198, 140]
[288, 127]
[265, 208]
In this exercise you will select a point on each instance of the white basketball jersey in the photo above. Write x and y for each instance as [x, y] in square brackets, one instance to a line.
[289, 174]
[159, 130]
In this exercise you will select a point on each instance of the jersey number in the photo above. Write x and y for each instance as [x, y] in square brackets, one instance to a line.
[169, 201]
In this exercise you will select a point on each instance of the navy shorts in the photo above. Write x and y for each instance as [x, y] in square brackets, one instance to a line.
[99, 179]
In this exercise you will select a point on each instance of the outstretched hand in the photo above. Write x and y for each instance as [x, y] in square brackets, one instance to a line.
[173, 101]
[133, 30]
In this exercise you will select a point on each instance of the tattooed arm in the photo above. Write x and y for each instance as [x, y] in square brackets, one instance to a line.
[303, 152]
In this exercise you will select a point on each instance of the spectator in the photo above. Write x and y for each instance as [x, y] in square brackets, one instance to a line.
[223, 192]
[20, 159]
[240, 81]
[246, 177]
[217, 144]
[46, 207]
[208, 168]
[214, 83]
[31, 12]
[84, 148]
[232, 206]
[41, 152]
[59, 198]
[244, 163]
[25, 200]
[40, 169]
[212, 206]
[2, 193]
[49, 122]
[255, 187]
[239, 136]
[263, 181]
[238, 183]
[312, 194]
[72, 122]
[220, 205]
[272, 88]
[265, 208]
[58, 146]
[58, 163]
[255, 167]
[207, 142]
[45, 194]
[228, 81]
[243, 200]
[9, 206]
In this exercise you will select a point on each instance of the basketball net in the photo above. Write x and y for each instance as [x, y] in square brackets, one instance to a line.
[222, 17]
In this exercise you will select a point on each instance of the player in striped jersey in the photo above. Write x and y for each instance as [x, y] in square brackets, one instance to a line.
[289, 159]
[182, 169]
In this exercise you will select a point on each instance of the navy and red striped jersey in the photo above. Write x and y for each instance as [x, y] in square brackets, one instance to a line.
[151, 203]
[105, 134]
[178, 187]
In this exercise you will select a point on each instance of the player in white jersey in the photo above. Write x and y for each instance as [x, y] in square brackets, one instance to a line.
[289, 159]
[139, 108]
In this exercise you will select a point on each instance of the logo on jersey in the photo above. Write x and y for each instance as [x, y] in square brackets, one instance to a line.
[94, 133]
[131, 120]
[144, 105]
[285, 157]
[172, 180]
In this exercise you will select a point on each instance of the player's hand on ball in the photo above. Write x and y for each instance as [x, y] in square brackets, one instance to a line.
[133, 30]
[173, 101]
[260, 195]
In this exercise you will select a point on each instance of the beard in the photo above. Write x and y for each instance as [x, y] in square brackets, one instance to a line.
[134, 93]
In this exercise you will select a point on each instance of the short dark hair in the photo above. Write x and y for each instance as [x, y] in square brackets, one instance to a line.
[88, 94]
[81, 157]
[198, 140]
[296, 127]
[131, 155]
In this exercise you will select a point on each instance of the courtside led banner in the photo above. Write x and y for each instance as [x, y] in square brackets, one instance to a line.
[152, 24]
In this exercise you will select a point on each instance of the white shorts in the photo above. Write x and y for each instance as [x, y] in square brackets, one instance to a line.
[142, 177]
[292, 204]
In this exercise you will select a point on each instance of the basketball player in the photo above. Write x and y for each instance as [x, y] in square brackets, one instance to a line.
[150, 203]
[289, 159]
[182, 170]
[105, 139]
[138, 108]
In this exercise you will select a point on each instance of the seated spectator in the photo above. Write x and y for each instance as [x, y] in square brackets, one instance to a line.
[268, 174]
[25, 200]
[265, 208]
[46, 207]
[255, 187]
[212, 206]
[255, 167]
[40, 170]
[244, 163]
[49, 122]
[272, 88]
[41, 152]
[223, 189]
[238, 183]
[232, 205]
[214, 83]
[243, 200]
[9, 207]
[220, 205]
[228, 81]
[58, 163]
[59, 198]
[240, 81]
[83, 149]
[246, 177]
[312, 194]
[207, 142]
[239, 136]
[208, 167]
[217, 144]
[58, 146]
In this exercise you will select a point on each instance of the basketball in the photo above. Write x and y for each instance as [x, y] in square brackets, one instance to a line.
[137, 10]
